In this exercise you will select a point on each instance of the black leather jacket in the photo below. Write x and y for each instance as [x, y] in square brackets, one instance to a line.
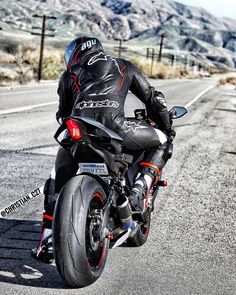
[98, 86]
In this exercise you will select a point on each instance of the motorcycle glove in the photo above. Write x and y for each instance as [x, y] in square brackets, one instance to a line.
[170, 134]
[59, 119]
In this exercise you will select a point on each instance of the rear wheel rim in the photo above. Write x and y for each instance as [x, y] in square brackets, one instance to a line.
[95, 251]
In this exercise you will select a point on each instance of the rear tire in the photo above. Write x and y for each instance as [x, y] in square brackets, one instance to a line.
[79, 260]
[140, 237]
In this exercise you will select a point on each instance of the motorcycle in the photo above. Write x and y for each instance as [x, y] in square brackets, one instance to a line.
[86, 222]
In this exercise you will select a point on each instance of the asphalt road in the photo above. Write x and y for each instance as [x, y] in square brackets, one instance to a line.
[191, 246]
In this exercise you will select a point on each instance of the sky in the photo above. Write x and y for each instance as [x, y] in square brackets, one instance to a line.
[217, 7]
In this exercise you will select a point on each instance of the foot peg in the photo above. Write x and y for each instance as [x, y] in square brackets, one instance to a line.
[44, 251]
[162, 183]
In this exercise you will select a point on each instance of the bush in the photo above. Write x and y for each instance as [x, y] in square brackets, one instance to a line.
[160, 70]
[51, 67]
[228, 80]
[24, 62]
[4, 78]
[231, 80]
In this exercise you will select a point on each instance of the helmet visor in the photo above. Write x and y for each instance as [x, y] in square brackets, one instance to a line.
[69, 51]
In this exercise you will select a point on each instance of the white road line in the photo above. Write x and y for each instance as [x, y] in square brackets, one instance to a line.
[198, 96]
[230, 94]
[26, 108]
[26, 91]
[31, 85]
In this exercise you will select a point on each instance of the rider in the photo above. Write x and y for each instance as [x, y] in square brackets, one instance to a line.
[96, 85]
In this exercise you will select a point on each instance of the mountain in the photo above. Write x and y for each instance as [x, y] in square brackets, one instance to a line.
[139, 21]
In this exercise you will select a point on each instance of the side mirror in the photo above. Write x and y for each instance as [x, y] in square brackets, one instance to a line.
[178, 112]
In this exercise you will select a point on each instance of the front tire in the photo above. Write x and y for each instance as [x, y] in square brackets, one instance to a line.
[79, 257]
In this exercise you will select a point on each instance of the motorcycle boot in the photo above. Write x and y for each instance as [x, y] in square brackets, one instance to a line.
[143, 184]
[44, 251]
[149, 175]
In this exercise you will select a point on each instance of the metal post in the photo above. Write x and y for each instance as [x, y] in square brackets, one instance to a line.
[152, 62]
[147, 53]
[172, 60]
[193, 65]
[120, 47]
[41, 48]
[199, 67]
[186, 63]
[161, 45]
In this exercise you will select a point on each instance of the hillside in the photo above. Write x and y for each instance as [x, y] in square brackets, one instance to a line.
[140, 21]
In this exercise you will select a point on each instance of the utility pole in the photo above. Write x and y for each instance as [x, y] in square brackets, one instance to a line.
[148, 50]
[120, 48]
[186, 63]
[161, 45]
[41, 48]
[193, 66]
[172, 60]
[42, 34]
[199, 67]
[152, 62]
[151, 53]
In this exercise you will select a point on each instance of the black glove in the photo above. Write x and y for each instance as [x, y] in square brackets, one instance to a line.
[170, 133]
[59, 119]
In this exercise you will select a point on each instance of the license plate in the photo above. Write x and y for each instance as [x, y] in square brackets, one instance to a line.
[94, 168]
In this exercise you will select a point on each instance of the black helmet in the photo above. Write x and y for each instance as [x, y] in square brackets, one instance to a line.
[78, 47]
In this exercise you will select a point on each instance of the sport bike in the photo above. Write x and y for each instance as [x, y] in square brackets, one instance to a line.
[86, 223]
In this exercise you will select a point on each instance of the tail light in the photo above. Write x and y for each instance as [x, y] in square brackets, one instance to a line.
[74, 129]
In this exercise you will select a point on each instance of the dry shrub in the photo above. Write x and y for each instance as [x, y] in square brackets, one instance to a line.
[4, 78]
[25, 60]
[144, 67]
[228, 80]
[7, 76]
[160, 70]
[222, 81]
[231, 80]
[53, 65]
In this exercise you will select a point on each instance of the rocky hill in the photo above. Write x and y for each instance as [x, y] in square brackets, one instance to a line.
[140, 21]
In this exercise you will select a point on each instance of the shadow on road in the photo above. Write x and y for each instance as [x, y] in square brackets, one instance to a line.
[17, 238]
